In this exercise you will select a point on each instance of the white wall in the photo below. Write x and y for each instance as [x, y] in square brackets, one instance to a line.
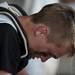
[34, 6]
[36, 67]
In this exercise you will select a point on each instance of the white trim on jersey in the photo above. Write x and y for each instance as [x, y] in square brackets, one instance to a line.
[15, 11]
[5, 19]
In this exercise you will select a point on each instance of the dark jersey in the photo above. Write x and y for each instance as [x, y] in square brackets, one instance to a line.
[13, 45]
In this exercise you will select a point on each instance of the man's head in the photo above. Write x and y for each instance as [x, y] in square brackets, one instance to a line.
[52, 32]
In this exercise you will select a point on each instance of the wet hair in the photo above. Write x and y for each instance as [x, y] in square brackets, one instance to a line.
[60, 19]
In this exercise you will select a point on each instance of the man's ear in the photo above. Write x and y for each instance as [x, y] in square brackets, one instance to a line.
[41, 30]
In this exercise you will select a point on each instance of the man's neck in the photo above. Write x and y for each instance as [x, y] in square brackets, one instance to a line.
[27, 26]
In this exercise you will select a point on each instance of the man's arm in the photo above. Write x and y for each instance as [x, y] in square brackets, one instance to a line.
[22, 72]
[9, 50]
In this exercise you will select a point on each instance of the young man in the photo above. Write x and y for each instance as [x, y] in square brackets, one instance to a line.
[46, 34]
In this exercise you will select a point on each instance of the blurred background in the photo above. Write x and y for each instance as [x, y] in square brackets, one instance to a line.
[62, 66]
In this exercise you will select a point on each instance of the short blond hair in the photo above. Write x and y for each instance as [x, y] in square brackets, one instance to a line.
[60, 19]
